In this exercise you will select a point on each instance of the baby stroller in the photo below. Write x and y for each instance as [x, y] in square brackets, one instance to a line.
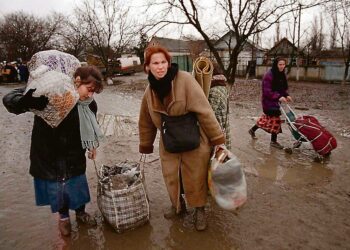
[307, 129]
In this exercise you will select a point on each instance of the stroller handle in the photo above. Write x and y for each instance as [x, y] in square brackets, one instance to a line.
[288, 107]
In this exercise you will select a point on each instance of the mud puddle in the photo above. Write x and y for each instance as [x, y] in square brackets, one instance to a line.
[293, 202]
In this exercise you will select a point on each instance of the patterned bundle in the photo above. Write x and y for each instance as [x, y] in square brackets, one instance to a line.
[51, 74]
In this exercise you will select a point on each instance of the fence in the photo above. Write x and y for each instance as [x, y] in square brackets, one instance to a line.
[322, 73]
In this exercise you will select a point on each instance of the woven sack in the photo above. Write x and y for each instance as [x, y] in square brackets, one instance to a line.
[124, 209]
[51, 74]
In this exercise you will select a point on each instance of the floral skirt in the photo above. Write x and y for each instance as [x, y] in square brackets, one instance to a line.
[271, 124]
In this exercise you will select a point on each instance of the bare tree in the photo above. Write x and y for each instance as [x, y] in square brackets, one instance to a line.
[194, 46]
[23, 35]
[278, 32]
[316, 39]
[141, 46]
[238, 19]
[73, 38]
[109, 29]
[333, 28]
[341, 11]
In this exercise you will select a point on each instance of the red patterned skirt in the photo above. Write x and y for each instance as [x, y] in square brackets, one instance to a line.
[271, 124]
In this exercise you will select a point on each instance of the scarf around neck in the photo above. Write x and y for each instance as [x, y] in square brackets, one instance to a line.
[162, 87]
[90, 132]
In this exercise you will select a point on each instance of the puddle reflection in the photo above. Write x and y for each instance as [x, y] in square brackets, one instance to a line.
[298, 168]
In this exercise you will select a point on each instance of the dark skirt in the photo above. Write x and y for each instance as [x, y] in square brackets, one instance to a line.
[71, 193]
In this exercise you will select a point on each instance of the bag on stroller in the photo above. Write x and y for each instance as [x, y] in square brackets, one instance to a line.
[321, 139]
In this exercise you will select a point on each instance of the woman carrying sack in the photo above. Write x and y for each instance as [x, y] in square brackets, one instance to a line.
[172, 92]
[218, 99]
[57, 155]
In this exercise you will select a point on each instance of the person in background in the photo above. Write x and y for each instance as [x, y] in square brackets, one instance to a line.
[11, 72]
[174, 92]
[57, 155]
[23, 72]
[218, 99]
[274, 92]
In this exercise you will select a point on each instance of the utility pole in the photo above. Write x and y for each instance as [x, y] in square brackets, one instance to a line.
[297, 61]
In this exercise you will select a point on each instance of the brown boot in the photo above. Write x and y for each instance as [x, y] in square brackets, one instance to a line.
[86, 219]
[200, 221]
[64, 226]
[170, 213]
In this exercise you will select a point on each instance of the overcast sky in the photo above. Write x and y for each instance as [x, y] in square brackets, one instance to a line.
[37, 7]
[45, 7]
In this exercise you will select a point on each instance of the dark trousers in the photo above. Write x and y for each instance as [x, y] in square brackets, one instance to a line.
[273, 135]
[64, 211]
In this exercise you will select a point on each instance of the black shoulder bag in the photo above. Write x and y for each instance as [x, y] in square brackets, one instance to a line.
[180, 133]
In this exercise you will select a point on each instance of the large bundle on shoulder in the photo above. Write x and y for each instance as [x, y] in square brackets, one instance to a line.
[122, 197]
[51, 74]
[203, 73]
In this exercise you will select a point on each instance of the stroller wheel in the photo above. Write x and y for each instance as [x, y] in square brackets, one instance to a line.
[319, 159]
[288, 150]
[297, 144]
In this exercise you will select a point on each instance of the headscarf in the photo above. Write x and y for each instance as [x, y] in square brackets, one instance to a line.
[218, 80]
[162, 87]
[279, 80]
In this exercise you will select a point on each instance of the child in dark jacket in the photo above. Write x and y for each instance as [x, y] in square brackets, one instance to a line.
[57, 155]
[274, 91]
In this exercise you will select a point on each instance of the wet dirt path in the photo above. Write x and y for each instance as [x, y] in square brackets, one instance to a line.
[293, 202]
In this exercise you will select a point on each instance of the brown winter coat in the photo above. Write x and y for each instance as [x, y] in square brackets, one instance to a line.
[186, 96]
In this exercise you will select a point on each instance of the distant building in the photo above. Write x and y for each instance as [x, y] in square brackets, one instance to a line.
[330, 57]
[180, 51]
[248, 58]
[286, 49]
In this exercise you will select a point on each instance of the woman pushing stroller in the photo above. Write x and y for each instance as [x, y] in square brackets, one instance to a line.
[274, 92]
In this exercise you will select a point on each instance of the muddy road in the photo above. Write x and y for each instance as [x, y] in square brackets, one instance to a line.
[293, 201]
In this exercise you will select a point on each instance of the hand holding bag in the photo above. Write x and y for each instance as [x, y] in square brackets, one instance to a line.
[180, 133]
[226, 179]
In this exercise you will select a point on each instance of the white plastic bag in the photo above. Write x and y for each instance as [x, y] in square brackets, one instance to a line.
[51, 74]
[226, 180]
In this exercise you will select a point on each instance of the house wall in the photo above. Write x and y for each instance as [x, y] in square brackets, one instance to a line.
[331, 61]
[223, 43]
[243, 58]
[324, 73]
[184, 62]
[172, 53]
[335, 72]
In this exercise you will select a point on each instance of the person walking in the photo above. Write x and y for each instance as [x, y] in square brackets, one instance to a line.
[57, 155]
[218, 99]
[23, 72]
[274, 92]
[174, 92]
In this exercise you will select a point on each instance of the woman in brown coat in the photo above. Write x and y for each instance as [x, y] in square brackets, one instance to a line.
[173, 92]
